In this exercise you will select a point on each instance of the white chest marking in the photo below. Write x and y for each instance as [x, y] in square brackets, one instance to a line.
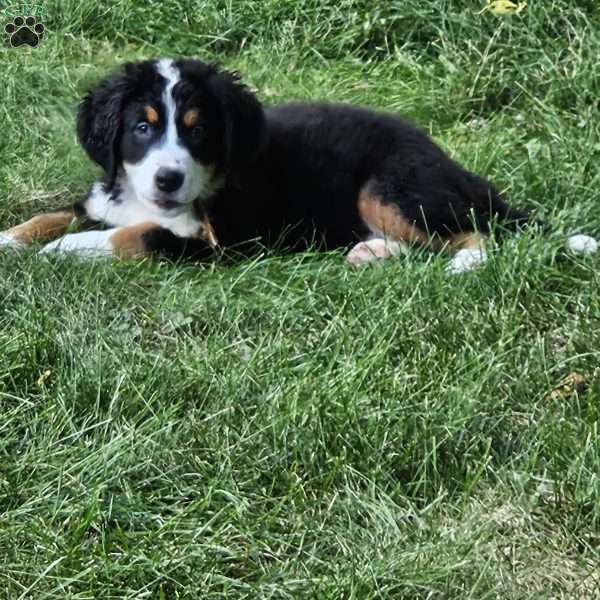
[128, 210]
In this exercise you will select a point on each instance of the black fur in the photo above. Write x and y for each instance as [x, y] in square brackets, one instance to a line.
[101, 113]
[229, 105]
[292, 173]
[304, 185]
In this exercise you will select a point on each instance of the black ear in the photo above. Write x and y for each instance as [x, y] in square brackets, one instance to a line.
[245, 129]
[99, 122]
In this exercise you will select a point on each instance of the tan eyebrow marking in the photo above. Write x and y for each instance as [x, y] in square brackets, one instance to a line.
[151, 114]
[191, 117]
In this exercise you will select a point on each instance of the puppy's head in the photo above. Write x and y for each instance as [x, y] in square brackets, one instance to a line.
[173, 129]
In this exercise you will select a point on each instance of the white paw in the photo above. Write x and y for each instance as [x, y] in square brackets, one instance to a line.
[466, 259]
[582, 244]
[8, 241]
[87, 244]
[375, 249]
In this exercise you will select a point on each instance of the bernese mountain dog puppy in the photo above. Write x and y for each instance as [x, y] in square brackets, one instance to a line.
[195, 165]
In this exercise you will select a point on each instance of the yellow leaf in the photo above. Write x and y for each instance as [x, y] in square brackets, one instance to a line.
[573, 382]
[504, 7]
[42, 378]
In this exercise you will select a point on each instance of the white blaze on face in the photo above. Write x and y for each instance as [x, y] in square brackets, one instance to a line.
[169, 153]
[171, 74]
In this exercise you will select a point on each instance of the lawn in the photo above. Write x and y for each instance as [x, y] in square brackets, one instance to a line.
[288, 427]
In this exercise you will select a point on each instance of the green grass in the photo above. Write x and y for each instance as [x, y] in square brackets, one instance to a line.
[287, 427]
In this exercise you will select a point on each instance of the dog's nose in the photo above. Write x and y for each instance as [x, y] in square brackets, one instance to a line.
[168, 180]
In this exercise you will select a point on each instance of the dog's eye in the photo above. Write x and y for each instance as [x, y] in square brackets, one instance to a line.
[196, 132]
[142, 128]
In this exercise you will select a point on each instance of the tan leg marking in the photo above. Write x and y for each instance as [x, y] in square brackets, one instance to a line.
[127, 241]
[42, 227]
[388, 221]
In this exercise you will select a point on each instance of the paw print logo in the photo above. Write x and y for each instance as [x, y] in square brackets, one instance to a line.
[24, 30]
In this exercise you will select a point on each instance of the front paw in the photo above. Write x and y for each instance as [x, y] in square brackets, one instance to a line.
[159, 240]
[87, 244]
[163, 242]
[9, 242]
